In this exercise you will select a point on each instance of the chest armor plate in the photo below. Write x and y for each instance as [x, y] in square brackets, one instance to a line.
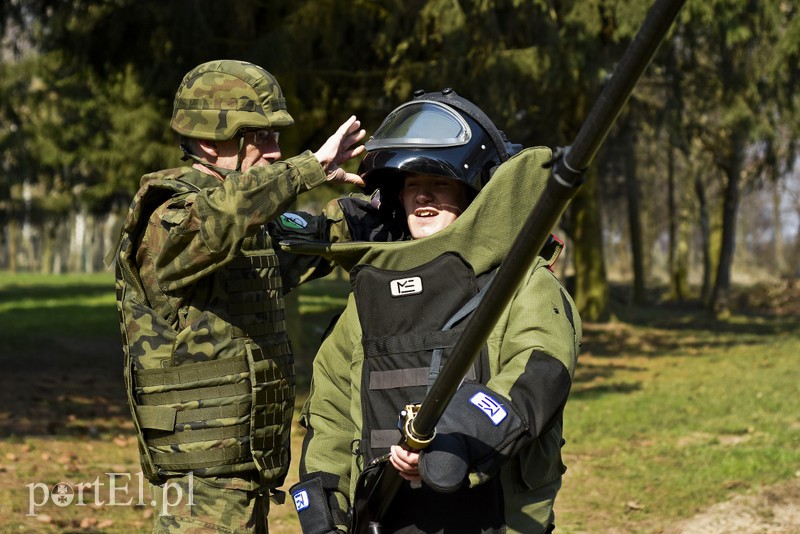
[402, 315]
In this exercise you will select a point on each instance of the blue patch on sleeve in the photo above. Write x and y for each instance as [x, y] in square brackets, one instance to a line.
[293, 220]
[301, 500]
[490, 407]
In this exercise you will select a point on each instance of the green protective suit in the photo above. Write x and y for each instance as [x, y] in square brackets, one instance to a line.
[540, 320]
[209, 368]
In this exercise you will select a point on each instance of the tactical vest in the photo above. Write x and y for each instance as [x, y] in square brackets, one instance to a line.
[216, 396]
[401, 316]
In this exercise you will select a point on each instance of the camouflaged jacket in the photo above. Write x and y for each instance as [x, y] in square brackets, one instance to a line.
[209, 369]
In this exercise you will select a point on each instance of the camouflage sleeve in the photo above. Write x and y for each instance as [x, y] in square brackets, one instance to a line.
[333, 226]
[330, 227]
[328, 414]
[201, 232]
[339, 229]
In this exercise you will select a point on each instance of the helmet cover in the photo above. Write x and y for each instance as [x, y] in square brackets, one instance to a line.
[219, 98]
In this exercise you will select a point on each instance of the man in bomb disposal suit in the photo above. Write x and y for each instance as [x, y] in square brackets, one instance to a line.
[209, 369]
[495, 463]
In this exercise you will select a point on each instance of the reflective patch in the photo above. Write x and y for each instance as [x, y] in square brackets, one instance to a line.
[293, 220]
[406, 286]
[493, 409]
[301, 501]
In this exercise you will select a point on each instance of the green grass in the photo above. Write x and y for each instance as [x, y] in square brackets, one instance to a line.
[323, 296]
[670, 413]
[699, 415]
[36, 304]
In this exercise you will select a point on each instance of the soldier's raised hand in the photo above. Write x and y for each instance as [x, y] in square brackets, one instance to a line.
[339, 149]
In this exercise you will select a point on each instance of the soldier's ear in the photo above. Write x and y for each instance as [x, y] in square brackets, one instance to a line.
[208, 150]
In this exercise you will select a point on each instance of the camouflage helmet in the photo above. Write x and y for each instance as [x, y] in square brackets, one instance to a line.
[219, 98]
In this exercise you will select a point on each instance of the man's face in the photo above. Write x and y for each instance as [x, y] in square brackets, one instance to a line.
[260, 148]
[432, 203]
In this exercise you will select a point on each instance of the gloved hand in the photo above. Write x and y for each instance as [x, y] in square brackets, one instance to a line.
[316, 506]
[477, 432]
[444, 464]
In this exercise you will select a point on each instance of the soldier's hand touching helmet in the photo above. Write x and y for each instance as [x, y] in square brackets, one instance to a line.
[339, 149]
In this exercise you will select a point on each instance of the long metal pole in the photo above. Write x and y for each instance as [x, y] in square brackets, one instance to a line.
[566, 179]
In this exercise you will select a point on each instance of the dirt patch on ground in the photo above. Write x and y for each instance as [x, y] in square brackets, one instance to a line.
[773, 510]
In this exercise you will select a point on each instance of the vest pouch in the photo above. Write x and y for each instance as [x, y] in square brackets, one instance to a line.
[140, 352]
[272, 408]
[208, 407]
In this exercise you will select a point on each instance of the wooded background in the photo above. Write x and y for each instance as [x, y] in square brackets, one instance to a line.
[698, 178]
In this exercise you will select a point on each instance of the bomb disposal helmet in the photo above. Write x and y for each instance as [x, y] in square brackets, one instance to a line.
[437, 133]
[220, 98]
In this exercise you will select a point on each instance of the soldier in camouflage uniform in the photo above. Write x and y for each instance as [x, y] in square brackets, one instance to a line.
[209, 370]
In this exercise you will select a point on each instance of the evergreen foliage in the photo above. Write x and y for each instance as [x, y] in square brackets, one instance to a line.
[86, 88]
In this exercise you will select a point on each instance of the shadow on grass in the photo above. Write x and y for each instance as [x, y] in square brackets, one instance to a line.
[62, 360]
[681, 329]
[666, 330]
[587, 392]
[64, 386]
[30, 310]
[593, 379]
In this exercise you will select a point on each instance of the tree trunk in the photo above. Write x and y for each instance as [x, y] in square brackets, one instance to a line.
[592, 295]
[48, 252]
[77, 233]
[685, 238]
[677, 291]
[12, 233]
[779, 248]
[634, 220]
[720, 297]
[705, 239]
[793, 267]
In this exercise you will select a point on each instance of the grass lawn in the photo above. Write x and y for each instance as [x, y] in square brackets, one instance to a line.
[670, 412]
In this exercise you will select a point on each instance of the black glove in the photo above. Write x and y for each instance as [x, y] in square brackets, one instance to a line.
[477, 432]
[480, 430]
[315, 504]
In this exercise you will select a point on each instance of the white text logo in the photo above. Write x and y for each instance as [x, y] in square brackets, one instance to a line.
[116, 493]
[406, 286]
[493, 409]
[301, 500]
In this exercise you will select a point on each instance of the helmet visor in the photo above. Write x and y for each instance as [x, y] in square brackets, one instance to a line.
[421, 124]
